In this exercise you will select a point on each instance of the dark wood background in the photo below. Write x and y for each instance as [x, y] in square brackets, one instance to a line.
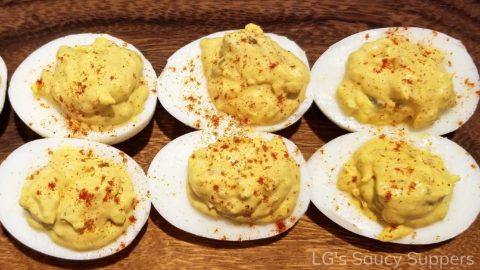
[158, 30]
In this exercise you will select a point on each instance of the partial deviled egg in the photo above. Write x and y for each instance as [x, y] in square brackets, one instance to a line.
[329, 70]
[178, 198]
[24, 175]
[3, 83]
[46, 114]
[462, 174]
[183, 87]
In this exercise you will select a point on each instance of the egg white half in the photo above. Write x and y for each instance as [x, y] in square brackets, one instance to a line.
[45, 118]
[168, 188]
[33, 156]
[3, 83]
[327, 162]
[328, 72]
[183, 77]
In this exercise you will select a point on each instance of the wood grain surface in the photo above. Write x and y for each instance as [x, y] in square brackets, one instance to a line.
[158, 29]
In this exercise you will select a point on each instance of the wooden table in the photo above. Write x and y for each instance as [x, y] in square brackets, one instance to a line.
[158, 30]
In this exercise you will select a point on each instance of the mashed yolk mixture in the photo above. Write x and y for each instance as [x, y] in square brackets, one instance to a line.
[252, 78]
[398, 185]
[393, 80]
[83, 202]
[244, 180]
[97, 86]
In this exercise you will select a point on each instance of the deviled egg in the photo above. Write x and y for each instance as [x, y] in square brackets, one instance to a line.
[237, 78]
[244, 187]
[91, 86]
[73, 199]
[397, 78]
[407, 189]
[3, 83]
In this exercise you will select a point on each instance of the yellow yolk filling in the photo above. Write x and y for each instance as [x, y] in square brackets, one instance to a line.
[244, 180]
[398, 185]
[98, 86]
[83, 202]
[392, 80]
[250, 77]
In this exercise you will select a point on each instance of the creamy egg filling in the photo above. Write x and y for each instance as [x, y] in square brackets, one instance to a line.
[244, 180]
[252, 78]
[97, 86]
[81, 201]
[392, 80]
[398, 185]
